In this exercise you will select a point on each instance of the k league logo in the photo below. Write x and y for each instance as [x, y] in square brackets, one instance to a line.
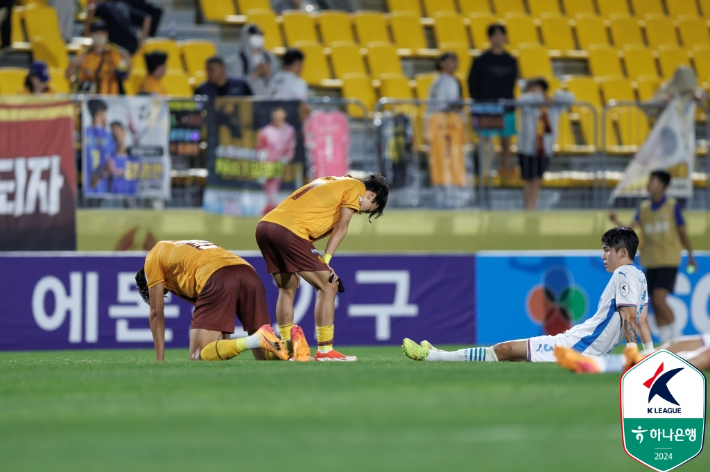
[663, 411]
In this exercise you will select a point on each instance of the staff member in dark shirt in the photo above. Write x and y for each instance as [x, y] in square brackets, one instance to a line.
[492, 77]
[219, 84]
[121, 21]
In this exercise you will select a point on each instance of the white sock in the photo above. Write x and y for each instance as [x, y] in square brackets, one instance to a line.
[253, 341]
[476, 354]
[706, 339]
[665, 333]
[611, 363]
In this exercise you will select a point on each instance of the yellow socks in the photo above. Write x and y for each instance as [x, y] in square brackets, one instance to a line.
[285, 331]
[223, 349]
[324, 334]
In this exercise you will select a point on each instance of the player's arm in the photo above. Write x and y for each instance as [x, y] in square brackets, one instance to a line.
[628, 323]
[157, 319]
[645, 331]
[615, 219]
[336, 236]
[685, 241]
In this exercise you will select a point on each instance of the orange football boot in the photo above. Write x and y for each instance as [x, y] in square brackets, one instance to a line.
[271, 343]
[334, 355]
[301, 351]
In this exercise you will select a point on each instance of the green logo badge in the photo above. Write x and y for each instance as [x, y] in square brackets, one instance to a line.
[663, 411]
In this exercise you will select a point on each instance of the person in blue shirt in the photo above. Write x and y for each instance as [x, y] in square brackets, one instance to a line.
[219, 84]
[124, 169]
[98, 147]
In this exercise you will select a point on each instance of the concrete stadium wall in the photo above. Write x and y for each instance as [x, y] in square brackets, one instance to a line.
[398, 231]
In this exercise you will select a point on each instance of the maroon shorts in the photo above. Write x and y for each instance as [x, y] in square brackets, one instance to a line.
[286, 253]
[231, 290]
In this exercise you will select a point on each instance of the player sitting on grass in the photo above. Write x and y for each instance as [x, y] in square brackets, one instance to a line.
[285, 237]
[694, 349]
[618, 315]
[220, 285]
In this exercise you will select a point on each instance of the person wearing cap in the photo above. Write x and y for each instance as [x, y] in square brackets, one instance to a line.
[253, 62]
[101, 68]
[37, 80]
[155, 63]
[445, 91]
[121, 23]
[287, 84]
[219, 84]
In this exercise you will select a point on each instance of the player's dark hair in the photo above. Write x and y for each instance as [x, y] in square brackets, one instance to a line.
[622, 237]
[215, 60]
[377, 183]
[496, 27]
[142, 285]
[293, 55]
[540, 81]
[96, 106]
[663, 176]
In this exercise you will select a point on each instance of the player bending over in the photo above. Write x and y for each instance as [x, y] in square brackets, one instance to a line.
[619, 314]
[220, 285]
[286, 235]
[694, 349]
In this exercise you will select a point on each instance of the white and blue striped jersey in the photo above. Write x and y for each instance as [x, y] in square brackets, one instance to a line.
[601, 333]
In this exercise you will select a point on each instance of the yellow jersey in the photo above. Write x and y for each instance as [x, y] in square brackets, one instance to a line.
[101, 70]
[312, 211]
[152, 85]
[660, 245]
[185, 266]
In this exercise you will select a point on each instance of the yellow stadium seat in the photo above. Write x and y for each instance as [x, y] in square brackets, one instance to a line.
[556, 32]
[17, 35]
[395, 86]
[534, 61]
[346, 59]
[12, 80]
[52, 52]
[647, 7]
[42, 21]
[133, 84]
[371, 27]
[660, 31]
[501, 7]
[625, 30]
[617, 88]
[590, 30]
[701, 61]
[195, 54]
[406, 31]
[474, 6]
[693, 32]
[669, 58]
[424, 82]
[479, 29]
[435, 6]
[335, 26]
[167, 46]
[449, 28]
[359, 87]
[611, 7]
[217, 10]
[604, 61]
[539, 7]
[382, 59]
[176, 84]
[575, 7]
[266, 20]
[631, 121]
[58, 81]
[404, 5]
[462, 53]
[705, 7]
[298, 26]
[315, 67]
[678, 8]
[521, 29]
[246, 5]
[585, 89]
[647, 86]
[639, 61]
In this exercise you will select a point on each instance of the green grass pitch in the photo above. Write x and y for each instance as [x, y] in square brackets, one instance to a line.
[102, 411]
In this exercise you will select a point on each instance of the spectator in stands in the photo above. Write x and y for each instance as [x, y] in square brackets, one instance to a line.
[37, 80]
[6, 23]
[287, 84]
[255, 64]
[149, 8]
[66, 11]
[101, 68]
[492, 77]
[155, 63]
[121, 22]
[219, 84]
[539, 118]
[446, 89]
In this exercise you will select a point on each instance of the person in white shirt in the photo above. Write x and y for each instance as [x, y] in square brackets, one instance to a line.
[446, 89]
[287, 84]
[619, 314]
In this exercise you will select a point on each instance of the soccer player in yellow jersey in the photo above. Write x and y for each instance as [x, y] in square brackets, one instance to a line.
[286, 235]
[220, 285]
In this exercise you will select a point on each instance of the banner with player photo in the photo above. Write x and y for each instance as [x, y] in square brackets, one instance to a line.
[125, 150]
[255, 155]
[37, 175]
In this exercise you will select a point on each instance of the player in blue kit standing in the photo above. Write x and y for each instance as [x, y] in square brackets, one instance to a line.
[98, 147]
[123, 169]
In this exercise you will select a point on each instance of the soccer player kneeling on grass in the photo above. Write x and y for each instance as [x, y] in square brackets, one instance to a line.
[286, 235]
[619, 314]
[220, 285]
